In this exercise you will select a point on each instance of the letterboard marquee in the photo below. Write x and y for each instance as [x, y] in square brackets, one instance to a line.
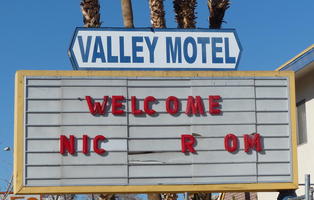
[155, 131]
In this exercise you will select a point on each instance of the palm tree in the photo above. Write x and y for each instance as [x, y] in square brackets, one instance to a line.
[106, 197]
[157, 13]
[169, 196]
[90, 10]
[127, 13]
[217, 9]
[185, 13]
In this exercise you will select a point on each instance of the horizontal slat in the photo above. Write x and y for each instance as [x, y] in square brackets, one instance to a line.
[159, 83]
[273, 117]
[177, 131]
[194, 180]
[183, 82]
[273, 130]
[272, 105]
[191, 171]
[183, 119]
[40, 82]
[74, 182]
[200, 157]
[271, 92]
[74, 171]
[271, 82]
[78, 159]
[74, 119]
[224, 169]
[276, 143]
[91, 131]
[273, 169]
[274, 179]
[74, 92]
[54, 145]
[80, 82]
[274, 156]
[222, 82]
[225, 92]
[43, 93]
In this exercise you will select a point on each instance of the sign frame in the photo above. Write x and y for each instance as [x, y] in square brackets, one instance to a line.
[20, 188]
[112, 29]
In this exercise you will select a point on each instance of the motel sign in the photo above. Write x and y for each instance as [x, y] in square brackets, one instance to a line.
[104, 48]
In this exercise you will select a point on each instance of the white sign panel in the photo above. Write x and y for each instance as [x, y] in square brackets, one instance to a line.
[19, 197]
[132, 130]
[105, 48]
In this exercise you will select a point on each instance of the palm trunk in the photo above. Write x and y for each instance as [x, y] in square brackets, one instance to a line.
[200, 196]
[157, 13]
[153, 196]
[217, 9]
[90, 10]
[106, 197]
[127, 13]
[185, 13]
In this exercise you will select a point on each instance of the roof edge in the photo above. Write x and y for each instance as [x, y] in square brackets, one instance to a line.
[295, 57]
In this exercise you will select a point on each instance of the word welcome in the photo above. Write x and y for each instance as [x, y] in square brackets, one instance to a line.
[188, 143]
[195, 105]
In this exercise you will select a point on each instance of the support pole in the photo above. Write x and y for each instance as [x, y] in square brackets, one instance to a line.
[186, 196]
[307, 187]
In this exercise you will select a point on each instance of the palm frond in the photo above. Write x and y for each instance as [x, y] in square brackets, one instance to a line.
[217, 9]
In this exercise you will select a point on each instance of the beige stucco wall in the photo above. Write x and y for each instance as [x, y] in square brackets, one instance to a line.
[304, 90]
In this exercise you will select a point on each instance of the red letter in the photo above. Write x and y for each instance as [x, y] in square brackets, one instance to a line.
[67, 144]
[194, 107]
[250, 143]
[230, 138]
[213, 105]
[85, 144]
[96, 145]
[174, 101]
[135, 111]
[96, 108]
[146, 105]
[116, 105]
[187, 143]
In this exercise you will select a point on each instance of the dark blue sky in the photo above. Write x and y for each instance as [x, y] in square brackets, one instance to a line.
[36, 35]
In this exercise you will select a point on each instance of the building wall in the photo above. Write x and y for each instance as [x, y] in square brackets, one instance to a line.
[304, 91]
[240, 196]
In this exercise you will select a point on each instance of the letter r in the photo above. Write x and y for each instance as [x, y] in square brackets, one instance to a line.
[187, 143]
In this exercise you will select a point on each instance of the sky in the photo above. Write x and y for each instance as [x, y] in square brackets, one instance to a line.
[35, 35]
